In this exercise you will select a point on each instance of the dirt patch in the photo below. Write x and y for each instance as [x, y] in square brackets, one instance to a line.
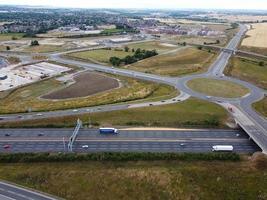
[85, 84]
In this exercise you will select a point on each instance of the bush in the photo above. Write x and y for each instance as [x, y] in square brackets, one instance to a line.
[259, 161]
[34, 43]
[114, 156]
[261, 63]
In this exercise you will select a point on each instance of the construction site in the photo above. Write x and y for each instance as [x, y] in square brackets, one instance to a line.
[14, 76]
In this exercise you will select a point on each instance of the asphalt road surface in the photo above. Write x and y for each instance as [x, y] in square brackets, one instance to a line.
[258, 132]
[13, 192]
[55, 140]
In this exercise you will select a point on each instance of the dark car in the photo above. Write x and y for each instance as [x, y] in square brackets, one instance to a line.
[7, 146]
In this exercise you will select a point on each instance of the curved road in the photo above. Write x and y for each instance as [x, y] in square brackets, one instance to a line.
[256, 127]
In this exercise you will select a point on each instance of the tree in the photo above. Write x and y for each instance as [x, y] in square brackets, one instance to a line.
[184, 43]
[129, 60]
[133, 50]
[34, 43]
[138, 51]
[14, 38]
[7, 48]
[217, 41]
[126, 49]
[200, 47]
[261, 63]
[115, 61]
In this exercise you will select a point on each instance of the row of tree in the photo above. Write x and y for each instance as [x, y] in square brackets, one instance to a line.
[138, 55]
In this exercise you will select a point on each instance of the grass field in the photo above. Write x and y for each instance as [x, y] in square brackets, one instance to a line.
[217, 88]
[181, 62]
[9, 36]
[160, 47]
[146, 180]
[42, 48]
[261, 106]
[258, 50]
[99, 55]
[249, 70]
[85, 84]
[27, 97]
[197, 40]
[190, 113]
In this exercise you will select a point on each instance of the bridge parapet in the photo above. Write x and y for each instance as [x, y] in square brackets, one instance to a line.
[257, 133]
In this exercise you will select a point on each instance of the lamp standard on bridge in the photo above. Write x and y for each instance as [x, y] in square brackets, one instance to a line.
[64, 145]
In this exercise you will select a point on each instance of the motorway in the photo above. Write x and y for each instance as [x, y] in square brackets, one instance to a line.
[243, 105]
[30, 140]
[55, 140]
[13, 192]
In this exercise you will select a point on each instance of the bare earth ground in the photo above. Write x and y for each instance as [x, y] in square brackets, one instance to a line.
[86, 84]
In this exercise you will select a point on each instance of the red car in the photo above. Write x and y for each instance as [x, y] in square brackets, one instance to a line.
[7, 146]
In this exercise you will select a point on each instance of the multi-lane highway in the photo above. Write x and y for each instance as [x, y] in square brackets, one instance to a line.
[89, 140]
[13, 192]
[215, 71]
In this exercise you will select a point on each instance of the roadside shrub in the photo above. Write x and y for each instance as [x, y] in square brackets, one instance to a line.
[114, 156]
[259, 161]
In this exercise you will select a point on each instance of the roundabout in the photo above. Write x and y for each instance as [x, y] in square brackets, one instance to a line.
[217, 88]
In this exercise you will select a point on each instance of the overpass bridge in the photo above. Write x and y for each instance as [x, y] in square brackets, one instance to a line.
[255, 131]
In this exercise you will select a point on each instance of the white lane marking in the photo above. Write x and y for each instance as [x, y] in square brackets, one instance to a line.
[27, 190]
[18, 194]
[2, 197]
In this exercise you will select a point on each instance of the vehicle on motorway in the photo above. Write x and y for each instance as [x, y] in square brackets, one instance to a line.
[7, 134]
[7, 146]
[108, 131]
[85, 146]
[74, 110]
[217, 148]
[230, 109]
[40, 134]
[39, 114]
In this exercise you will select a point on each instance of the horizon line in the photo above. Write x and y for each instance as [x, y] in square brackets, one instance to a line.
[131, 8]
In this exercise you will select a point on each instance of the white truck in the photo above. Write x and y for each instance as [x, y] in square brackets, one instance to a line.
[217, 148]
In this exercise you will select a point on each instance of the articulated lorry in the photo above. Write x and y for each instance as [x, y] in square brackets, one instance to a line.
[108, 131]
[217, 148]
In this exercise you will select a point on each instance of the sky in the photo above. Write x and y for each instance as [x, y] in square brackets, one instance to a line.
[173, 4]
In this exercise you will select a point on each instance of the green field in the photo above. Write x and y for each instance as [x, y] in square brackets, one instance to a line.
[249, 70]
[152, 45]
[27, 97]
[112, 31]
[181, 62]
[42, 48]
[146, 180]
[100, 55]
[190, 113]
[259, 50]
[261, 106]
[218, 88]
[9, 36]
